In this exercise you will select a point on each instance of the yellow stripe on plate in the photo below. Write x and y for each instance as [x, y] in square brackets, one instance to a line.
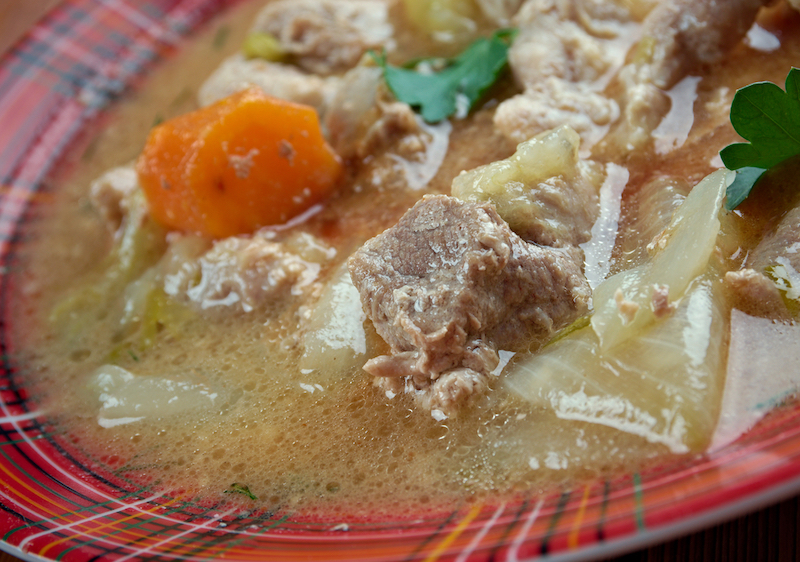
[448, 540]
[572, 540]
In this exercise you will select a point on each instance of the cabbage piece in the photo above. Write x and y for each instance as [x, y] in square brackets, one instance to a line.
[648, 211]
[445, 20]
[544, 191]
[139, 245]
[663, 385]
[631, 300]
[651, 360]
[335, 340]
[126, 398]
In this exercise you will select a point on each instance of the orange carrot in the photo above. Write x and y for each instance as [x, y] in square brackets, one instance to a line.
[247, 161]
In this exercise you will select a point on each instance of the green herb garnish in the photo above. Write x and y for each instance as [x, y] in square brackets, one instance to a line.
[769, 118]
[439, 88]
[240, 489]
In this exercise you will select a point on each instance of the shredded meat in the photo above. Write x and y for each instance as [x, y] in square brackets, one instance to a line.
[248, 271]
[327, 36]
[562, 59]
[660, 302]
[677, 38]
[451, 284]
[755, 294]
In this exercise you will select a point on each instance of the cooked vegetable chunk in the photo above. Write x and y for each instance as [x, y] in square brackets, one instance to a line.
[545, 192]
[664, 384]
[245, 162]
[445, 20]
[650, 361]
[127, 398]
[630, 301]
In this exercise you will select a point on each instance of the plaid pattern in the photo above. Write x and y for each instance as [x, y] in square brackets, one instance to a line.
[68, 68]
[58, 505]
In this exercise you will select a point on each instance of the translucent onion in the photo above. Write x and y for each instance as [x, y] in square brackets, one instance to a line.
[663, 385]
[627, 302]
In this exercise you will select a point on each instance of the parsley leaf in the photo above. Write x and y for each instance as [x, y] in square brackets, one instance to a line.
[742, 185]
[457, 86]
[769, 118]
[237, 488]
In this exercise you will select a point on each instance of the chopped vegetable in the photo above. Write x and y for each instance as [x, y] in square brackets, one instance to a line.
[650, 361]
[259, 45]
[243, 489]
[769, 118]
[631, 300]
[458, 85]
[247, 161]
[664, 384]
[539, 184]
[125, 397]
[139, 245]
[444, 20]
[335, 340]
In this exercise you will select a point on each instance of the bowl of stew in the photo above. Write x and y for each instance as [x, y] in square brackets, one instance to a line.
[395, 280]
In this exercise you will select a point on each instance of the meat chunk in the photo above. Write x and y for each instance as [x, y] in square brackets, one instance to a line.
[563, 57]
[553, 103]
[677, 38]
[327, 36]
[756, 294]
[451, 284]
[248, 271]
[771, 280]
[283, 81]
[557, 39]
[684, 35]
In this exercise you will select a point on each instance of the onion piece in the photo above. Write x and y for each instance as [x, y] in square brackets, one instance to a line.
[628, 302]
[663, 385]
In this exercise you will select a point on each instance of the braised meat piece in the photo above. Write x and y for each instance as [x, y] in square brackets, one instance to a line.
[327, 36]
[451, 284]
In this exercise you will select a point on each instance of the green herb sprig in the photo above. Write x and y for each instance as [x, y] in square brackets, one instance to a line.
[243, 489]
[769, 118]
[439, 88]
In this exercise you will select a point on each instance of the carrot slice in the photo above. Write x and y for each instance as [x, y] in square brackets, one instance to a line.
[247, 161]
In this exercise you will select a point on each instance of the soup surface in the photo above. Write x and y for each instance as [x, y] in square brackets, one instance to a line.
[218, 366]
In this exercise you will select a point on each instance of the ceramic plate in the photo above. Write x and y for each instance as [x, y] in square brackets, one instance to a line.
[59, 505]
